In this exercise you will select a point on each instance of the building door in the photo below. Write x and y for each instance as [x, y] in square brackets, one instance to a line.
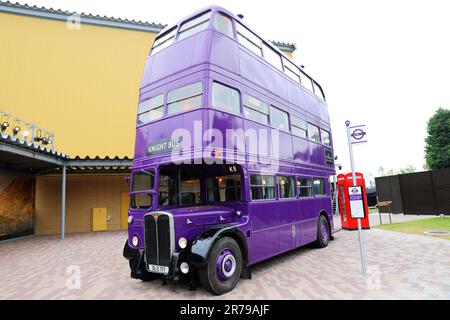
[124, 204]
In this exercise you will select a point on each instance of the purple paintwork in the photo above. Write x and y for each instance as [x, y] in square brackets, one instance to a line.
[268, 225]
[225, 265]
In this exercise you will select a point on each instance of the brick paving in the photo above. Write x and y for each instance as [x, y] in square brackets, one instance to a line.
[401, 266]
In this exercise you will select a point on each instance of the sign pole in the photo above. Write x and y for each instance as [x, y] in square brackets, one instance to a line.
[361, 244]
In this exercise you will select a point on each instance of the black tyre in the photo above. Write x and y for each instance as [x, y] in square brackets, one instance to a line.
[323, 232]
[224, 267]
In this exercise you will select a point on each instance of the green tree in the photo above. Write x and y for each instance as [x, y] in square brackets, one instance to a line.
[437, 148]
[409, 169]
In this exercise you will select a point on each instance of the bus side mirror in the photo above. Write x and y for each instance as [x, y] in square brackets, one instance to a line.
[127, 179]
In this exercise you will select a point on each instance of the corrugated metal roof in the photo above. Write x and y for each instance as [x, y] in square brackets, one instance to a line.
[5, 138]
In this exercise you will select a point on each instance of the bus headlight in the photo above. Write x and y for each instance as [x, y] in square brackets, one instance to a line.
[184, 267]
[182, 242]
[135, 240]
[130, 219]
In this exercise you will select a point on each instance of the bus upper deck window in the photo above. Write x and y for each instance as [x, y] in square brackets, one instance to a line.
[279, 119]
[185, 98]
[272, 57]
[318, 91]
[225, 98]
[306, 81]
[222, 23]
[313, 132]
[291, 70]
[248, 39]
[255, 109]
[150, 110]
[194, 25]
[298, 127]
[163, 41]
[325, 137]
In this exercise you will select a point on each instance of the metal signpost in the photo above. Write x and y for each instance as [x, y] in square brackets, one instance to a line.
[356, 135]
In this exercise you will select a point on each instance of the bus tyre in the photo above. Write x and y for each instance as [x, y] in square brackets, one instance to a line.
[224, 267]
[323, 232]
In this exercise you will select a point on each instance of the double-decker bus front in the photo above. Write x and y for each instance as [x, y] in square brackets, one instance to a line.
[203, 204]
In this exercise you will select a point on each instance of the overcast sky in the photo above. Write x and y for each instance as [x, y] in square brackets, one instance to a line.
[381, 63]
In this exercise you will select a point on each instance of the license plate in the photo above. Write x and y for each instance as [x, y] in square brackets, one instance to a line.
[158, 269]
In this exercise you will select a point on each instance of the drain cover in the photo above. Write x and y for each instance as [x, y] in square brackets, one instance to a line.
[438, 233]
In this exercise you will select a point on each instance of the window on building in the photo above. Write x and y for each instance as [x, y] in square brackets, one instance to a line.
[279, 119]
[319, 187]
[313, 132]
[325, 137]
[255, 109]
[163, 41]
[224, 189]
[194, 25]
[262, 187]
[225, 98]
[298, 127]
[150, 110]
[291, 70]
[286, 187]
[318, 91]
[272, 57]
[223, 24]
[184, 98]
[248, 39]
[305, 187]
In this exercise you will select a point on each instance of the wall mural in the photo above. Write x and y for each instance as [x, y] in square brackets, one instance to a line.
[16, 205]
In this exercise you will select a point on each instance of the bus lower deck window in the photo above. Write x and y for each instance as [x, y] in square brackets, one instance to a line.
[141, 201]
[305, 187]
[286, 187]
[319, 186]
[262, 187]
[224, 189]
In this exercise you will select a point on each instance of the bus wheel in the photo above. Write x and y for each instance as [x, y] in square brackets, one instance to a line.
[323, 232]
[224, 267]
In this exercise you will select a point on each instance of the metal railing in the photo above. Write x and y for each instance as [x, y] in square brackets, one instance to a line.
[25, 131]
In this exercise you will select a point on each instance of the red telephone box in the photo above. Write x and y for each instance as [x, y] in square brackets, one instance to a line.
[344, 181]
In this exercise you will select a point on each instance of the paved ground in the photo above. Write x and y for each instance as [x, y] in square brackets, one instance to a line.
[401, 266]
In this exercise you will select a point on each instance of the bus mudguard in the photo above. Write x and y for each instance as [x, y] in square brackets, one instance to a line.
[202, 244]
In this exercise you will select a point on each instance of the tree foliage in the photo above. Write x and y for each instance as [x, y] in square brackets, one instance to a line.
[437, 148]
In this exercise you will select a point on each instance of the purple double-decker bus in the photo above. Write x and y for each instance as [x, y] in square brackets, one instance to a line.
[233, 155]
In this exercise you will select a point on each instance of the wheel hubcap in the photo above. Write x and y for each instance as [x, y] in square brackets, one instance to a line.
[225, 265]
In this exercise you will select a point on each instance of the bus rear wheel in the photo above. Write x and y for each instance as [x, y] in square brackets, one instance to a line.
[224, 267]
[323, 232]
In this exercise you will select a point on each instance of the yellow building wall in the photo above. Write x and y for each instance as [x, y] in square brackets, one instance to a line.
[84, 192]
[83, 84]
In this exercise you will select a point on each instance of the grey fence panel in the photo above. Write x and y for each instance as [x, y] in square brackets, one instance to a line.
[417, 193]
[389, 195]
[441, 183]
[425, 193]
